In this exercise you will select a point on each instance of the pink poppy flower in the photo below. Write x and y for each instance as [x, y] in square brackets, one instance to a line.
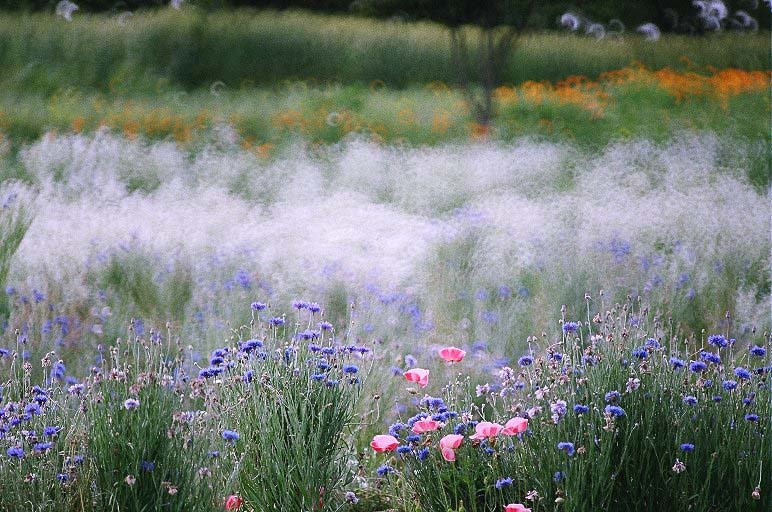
[421, 426]
[452, 441]
[449, 454]
[486, 429]
[516, 507]
[233, 502]
[418, 375]
[383, 443]
[452, 354]
[515, 426]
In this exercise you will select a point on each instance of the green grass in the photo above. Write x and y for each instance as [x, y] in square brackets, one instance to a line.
[241, 48]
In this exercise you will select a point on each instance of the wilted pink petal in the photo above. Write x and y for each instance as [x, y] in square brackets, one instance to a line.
[452, 354]
[233, 502]
[418, 375]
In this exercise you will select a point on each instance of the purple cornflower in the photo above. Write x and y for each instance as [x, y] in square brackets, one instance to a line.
[503, 482]
[258, 306]
[615, 410]
[570, 327]
[230, 435]
[525, 361]
[131, 403]
[567, 447]
[612, 397]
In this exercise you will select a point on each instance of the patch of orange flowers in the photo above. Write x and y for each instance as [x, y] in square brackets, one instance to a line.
[592, 95]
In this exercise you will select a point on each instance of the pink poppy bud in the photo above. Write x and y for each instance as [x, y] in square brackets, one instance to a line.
[421, 426]
[452, 354]
[448, 454]
[418, 375]
[515, 426]
[383, 443]
[233, 502]
[516, 507]
[486, 429]
[451, 441]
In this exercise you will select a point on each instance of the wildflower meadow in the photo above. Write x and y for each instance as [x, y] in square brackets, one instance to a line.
[344, 256]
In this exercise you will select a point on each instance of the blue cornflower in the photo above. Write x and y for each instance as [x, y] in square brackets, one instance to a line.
[403, 448]
[716, 398]
[147, 466]
[331, 383]
[384, 470]
[653, 344]
[422, 454]
[276, 321]
[718, 340]
[503, 482]
[62, 477]
[51, 431]
[299, 304]
[248, 376]
[710, 357]
[230, 435]
[15, 451]
[525, 361]
[742, 373]
[570, 327]
[749, 398]
[314, 307]
[413, 438]
[258, 306]
[581, 409]
[640, 352]
[567, 447]
[350, 368]
[41, 398]
[690, 400]
[677, 363]
[556, 356]
[729, 385]
[325, 326]
[752, 417]
[318, 376]
[687, 447]
[323, 365]
[214, 454]
[395, 428]
[459, 429]
[612, 396]
[708, 383]
[757, 351]
[615, 410]
[328, 351]
[42, 447]
[215, 361]
[697, 366]
[32, 408]
[559, 476]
